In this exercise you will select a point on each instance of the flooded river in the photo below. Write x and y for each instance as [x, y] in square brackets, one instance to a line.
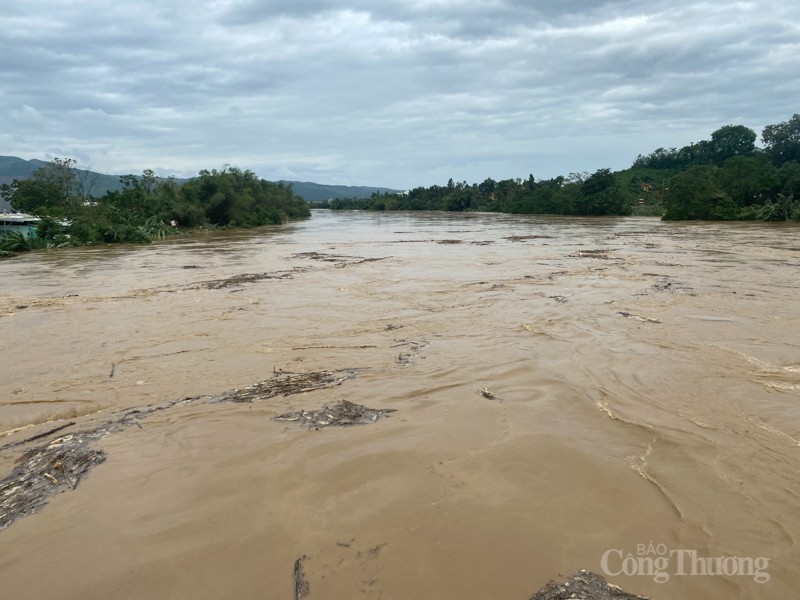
[641, 384]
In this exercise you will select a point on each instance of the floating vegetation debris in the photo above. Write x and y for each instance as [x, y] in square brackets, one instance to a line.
[638, 318]
[523, 238]
[448, 241]
[489, 395]
[218, 284]
[600, 253]
[414, 348]
[667, 284]
[38, 436]
[584, 585]
[59, 465]
[326, 346]
[45, 471]
[555, 274]
[341, 260]
[535, 329]
[341, 414]
[301, 587]
[321, 256]
[559, 299]
[286, 384]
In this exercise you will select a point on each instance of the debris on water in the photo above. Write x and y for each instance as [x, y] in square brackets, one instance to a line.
[600, 253]
[322, 256]
[637, 317]
[523, 238]
[38, 436]
[584, 585]
[334, 346]
[58, 465]
[284, 383]
[448, 241]
[489, 395]
[375, 551]
[218, 284]
[342, 413]
[555, 274]
[668, 284]
[341, 260]
[414, 348]
[301, 587]
[45, 471]
[392, 327]
[535, 330]
[559, 299]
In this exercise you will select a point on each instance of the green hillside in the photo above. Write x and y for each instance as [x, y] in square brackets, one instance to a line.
[12, 167]
[314, 192]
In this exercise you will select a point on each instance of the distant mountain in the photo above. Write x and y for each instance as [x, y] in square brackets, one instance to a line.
[12, 167]
[313, 192]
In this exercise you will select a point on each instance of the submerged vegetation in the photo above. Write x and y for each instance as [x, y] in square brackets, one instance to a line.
[726, 177]
[147, 207]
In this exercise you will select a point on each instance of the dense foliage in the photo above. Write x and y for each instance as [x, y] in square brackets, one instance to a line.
[147, 205]
[725, 177]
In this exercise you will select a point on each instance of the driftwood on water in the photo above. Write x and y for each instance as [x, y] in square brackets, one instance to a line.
[341, 414]
[59, 464]
[45, 471]
[584, 585]
[301, 587]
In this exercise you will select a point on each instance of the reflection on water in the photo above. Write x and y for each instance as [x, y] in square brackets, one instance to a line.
[647, 372]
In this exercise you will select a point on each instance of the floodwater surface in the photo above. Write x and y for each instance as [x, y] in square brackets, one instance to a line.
[567, 392]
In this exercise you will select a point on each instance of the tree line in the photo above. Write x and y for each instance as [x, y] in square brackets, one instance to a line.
[725, 177]
[147, 206]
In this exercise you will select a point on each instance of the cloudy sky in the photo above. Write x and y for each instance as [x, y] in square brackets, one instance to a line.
[396, 93]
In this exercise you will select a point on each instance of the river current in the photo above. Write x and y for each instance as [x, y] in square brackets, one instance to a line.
[569, 393]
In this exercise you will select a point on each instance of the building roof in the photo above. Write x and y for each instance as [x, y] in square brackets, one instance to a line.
[18, 218]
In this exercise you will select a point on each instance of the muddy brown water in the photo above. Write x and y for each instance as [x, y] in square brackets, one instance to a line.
[644, 383]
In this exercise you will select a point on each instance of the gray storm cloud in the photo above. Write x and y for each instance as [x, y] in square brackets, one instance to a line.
[392, 93]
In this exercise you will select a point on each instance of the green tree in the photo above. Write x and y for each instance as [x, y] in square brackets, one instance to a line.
[732, 140]
[748, 180]
[51, 189]
[234, 197]
[600, 195]
[782, 141]
[696, 194]
[487, 187]
[789, 179]
[781, 208]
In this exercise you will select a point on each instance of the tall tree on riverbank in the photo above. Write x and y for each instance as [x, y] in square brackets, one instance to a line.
[51, 189]
[782, 141]
[696, 194]
[239, 198]
[732, 140]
